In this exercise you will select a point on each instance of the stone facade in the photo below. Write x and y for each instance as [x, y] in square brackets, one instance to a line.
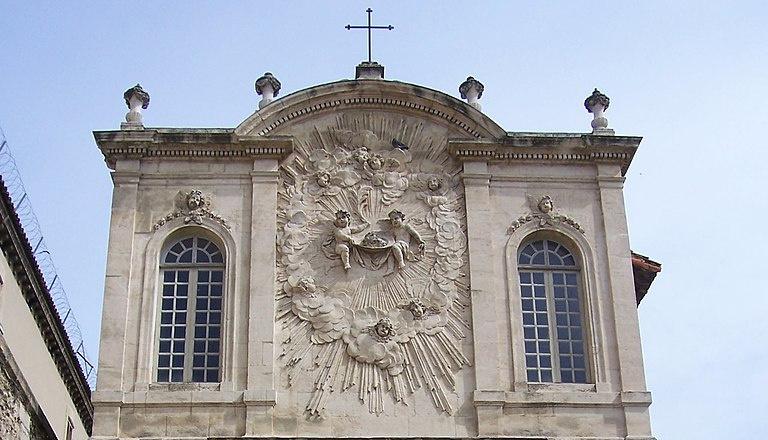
[371, 232]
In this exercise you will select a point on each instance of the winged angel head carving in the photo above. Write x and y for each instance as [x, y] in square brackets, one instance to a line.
[371, 243]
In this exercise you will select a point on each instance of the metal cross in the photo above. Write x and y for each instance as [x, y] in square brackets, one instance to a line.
[369, 27]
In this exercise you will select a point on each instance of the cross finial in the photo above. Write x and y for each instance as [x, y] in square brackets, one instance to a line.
[369, 27]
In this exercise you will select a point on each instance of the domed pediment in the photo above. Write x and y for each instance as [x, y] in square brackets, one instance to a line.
[391, 96]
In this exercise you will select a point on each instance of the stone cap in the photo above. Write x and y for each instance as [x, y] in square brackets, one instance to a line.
[369, 70]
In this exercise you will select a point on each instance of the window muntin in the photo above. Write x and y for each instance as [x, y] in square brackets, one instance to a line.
[192, 275]
[552, 319]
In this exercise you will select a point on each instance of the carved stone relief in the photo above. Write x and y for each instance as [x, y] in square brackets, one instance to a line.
[192, 206]
[544, 213]
[371, 291]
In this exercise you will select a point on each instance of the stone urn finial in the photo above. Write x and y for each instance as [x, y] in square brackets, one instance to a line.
[597, 103]
[268, 87]
[472, 91]
[136, 99]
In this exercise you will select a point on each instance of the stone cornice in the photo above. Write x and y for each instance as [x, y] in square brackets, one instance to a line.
[20, 257]
[189, 143]
[549, 147]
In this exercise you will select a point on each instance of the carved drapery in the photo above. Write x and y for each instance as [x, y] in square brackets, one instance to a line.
[371, 288]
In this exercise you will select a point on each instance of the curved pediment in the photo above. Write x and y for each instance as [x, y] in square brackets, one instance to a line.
[390, 96]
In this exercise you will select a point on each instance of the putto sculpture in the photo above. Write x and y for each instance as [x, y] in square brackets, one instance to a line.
[382, 294]
[136, 99]
[268, 87]
[192, 207]
[472, 90]
[597, 103]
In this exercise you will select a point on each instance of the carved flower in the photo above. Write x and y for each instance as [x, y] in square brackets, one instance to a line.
[381, 349]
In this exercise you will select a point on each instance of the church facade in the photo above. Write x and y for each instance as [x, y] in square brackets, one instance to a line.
[368, 258]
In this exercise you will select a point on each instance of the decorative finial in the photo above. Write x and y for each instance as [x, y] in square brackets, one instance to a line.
[472, 91]
[597, 103]
[136, 99]
[268, 87]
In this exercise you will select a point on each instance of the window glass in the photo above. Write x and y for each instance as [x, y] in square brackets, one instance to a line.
[552, 321]
[192, 283]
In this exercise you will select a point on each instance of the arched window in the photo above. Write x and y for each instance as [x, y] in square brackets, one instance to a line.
[552, 313]
[192, 277]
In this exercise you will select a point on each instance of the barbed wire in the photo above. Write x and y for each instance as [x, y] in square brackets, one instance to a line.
[23, 207]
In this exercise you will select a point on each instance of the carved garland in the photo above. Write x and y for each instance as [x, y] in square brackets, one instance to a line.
[193, 207]
[543, 211]
[371, 259]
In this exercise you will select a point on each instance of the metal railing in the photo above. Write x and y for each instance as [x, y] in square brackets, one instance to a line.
[23, 207]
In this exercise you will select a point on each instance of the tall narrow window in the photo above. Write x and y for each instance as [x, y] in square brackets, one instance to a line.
[552, 313]
[192, 276]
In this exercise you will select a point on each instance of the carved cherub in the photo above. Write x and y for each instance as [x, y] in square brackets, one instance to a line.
[343, 235]
[545, 207]
[403, 233]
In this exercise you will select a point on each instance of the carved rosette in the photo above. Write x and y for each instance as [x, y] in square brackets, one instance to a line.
[192, 207]
[372, 255]
[543, 212]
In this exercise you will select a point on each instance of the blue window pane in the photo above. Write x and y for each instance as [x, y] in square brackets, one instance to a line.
[533, 375]
[562, 333]
[566, 376]
[545, 362]
[538, 259]
[198, 375]
[559, 292]
[213, 346]
[570, 278]
[165, 346]
[531, 361]
[217, 276]
[203, 276]
[569, 261]
[527, 305]
[215, 318]
[528, 318]
[162, 375]
[178, 347]
[525, 277]
[164, 360]
[178, 361]
[202, 257]
[213, 360]
[201, 318]
[199, 346]
[215, 304]
[167, 304]
[182, 290]
[543, 332]
[217, 258]
[213, 332]
[561, 319]
[578, 362]
[198, 361]
[176, 375]
[539, 292]
[180, 332]
[543, 347]
[213, 376]
[565, 362]
[199, 332]
[580, 376]
[201, 304]
[529, 333]
[216, 290]
[530, 347]
[578, 348]
[165, 332]
[541, 304]
[541, 318]
[526, 291]
[538, 277]
[166, 317]
[538, 245]
[181, 318]
[546, 375]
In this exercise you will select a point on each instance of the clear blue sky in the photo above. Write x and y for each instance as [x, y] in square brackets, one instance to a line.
[688, 76]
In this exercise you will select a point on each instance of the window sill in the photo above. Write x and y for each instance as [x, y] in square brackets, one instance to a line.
[185, 386]
[562, 388]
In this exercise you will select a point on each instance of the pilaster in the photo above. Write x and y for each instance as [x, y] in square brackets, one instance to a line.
[485, 328]
[619, 268]
[260, 388]
[116, 291]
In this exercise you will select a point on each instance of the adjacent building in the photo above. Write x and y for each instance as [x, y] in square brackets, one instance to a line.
[43, 392]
